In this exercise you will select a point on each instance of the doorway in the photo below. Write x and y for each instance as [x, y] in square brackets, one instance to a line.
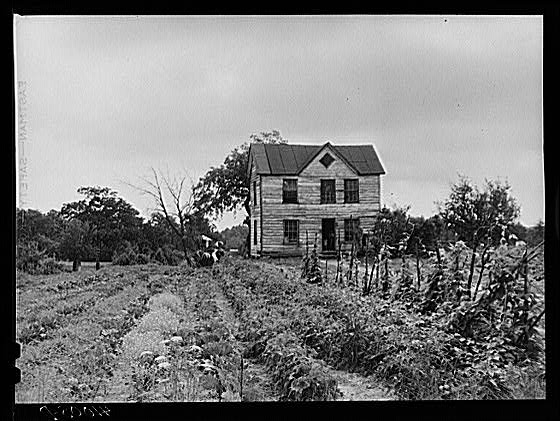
[328, 234]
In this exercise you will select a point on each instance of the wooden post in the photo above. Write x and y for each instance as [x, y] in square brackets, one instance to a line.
[377, 271]
[385, 287]
[438, 255]
[351, 250]
[373, 266]
[306, 243]
[326, 270]
[471, 271]
[525, 274]
[366, 274]
[418, 274]
[482, 265]
[338, 259]
[241, 381]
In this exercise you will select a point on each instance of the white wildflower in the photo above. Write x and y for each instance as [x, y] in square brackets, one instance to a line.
[164, 365]
[195, 348]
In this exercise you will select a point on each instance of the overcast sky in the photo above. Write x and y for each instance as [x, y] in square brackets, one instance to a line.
[106, 98]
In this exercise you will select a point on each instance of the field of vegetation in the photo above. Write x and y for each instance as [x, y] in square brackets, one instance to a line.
[255, 330]
[448, 307]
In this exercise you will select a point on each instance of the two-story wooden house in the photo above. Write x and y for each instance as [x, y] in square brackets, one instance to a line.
[326, 190]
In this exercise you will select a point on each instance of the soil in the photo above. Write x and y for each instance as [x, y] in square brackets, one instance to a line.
[355, 387]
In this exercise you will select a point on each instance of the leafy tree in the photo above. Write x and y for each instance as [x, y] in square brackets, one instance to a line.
[156, 233]
[535, 234]
[110, 220]
[226, 187]
[391, 230]
[42, 229]
[75, 244]
[479, 216]
[176, 205]
[235, 236]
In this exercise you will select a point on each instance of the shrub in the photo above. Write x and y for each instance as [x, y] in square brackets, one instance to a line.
[298, 376]
[28, 257]
[168, 256]
[48, 266]
[125, 258]
[143, 258]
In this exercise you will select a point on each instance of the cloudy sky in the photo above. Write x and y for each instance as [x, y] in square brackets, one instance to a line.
[106, 98]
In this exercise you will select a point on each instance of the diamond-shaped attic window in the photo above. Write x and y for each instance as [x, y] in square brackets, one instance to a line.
[326, 160]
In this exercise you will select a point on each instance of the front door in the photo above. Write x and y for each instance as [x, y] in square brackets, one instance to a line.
[329, 238]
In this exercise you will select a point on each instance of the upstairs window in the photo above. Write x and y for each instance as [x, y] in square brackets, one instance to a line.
[289, 191]
[351, 227]
[351, 191]
[328, 192]
[254, 193]
[291, 230]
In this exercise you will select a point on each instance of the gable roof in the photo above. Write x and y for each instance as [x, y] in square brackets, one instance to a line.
[286, 159]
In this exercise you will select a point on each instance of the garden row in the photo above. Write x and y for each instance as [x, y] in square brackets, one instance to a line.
[295, 325]
[183, 348]
[71, 331]
[261, 298]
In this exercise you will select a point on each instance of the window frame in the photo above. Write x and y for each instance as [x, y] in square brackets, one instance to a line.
[285, 197]
[287, 231]
[349, 232]
[324, 181]
[254, 193]
[348, 191]
[255, 232]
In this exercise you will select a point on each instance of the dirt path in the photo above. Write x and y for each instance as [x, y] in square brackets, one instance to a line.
[257, 383]
[355, 387]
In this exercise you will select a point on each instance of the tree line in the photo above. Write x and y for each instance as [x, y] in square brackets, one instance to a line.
[103, 226]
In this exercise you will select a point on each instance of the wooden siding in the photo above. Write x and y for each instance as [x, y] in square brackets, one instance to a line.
[255, 210]
[309, 211]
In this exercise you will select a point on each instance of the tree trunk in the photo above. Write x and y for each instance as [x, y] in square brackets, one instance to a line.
[76, 265]
[97, 264]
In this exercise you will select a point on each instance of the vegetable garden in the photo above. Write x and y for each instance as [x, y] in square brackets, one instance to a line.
[256, 330]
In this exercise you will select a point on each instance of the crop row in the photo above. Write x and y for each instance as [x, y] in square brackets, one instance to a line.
[182, 349]
[414, 354]
[75, 361]
[265, 326]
